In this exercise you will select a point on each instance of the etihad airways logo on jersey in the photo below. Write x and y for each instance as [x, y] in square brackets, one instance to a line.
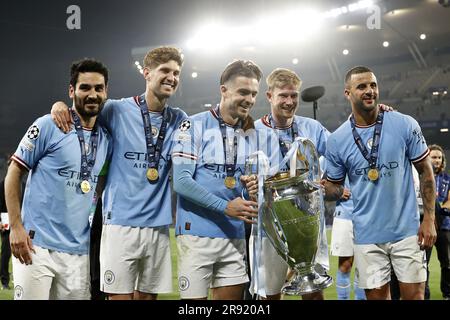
[384, 169]
[218, 170]
[74, 177]
[141, 159]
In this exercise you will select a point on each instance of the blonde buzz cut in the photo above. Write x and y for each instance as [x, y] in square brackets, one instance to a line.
[281, 77]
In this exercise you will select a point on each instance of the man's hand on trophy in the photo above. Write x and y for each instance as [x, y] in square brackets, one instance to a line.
[242, 209]
[251, 184]
[346, 195]
[333, 191]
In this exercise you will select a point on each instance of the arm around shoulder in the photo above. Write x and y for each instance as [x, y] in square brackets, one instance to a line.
[61, 116]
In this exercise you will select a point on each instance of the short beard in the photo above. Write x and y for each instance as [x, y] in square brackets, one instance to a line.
[361, 106]
[85, 114]
[437, 170]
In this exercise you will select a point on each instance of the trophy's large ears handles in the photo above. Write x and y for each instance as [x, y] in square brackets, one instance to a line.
[308, 158]
[257, 163]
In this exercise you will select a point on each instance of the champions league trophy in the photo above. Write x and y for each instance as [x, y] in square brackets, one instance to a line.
[291, 213]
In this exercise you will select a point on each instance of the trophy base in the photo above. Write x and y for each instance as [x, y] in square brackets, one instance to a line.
[309, 283]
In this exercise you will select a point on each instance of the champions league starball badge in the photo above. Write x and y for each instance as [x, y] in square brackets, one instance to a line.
[85, 186]
[185, 125]
[33, 132]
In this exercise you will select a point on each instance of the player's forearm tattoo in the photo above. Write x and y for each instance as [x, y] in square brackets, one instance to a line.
[428, 191]
[333, 192]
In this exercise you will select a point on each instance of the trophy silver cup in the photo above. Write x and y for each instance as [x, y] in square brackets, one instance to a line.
[291, 216]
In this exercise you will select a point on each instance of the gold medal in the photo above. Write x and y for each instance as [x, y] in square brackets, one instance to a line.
[152, 174]
[373, 174]
[230, 182]
[85, 186]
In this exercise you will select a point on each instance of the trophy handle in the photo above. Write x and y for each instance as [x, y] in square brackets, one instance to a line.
[308, 157]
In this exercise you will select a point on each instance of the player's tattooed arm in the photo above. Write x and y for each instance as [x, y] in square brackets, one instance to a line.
[427, 185]
[427, 230]
[333, 190]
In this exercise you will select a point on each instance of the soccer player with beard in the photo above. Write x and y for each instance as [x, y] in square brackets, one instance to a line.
[50, 239]
[376, 150]
[280, 127]
[208, 162]
[135, 259]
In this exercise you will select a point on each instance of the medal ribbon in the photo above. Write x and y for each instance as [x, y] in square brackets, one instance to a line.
[372, 158]
[86, 164]
[294, 134]
[230, 168]
[153, 151]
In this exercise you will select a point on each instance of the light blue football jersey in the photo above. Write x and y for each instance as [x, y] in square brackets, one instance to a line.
[385, 210]
[54, 206]
[129, 198]
[269, 137]
[199, 141]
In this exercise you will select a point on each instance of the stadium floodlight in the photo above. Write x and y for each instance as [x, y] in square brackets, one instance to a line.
[386, 44]
[423, 36]
[345, 52]
[363, 4]
[210, 37]
[295, 61]
[305, 19]
[194, 75]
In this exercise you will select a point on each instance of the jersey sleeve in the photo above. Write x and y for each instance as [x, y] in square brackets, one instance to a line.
[322, 138]
[335, 169]
[187, 142]
[184, 158]
[416, 146]
[106, 116]
[34, 143]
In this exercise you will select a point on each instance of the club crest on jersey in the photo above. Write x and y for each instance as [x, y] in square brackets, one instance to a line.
[183, 283]
[369, 143]
[18, 292]
[155, 132]
[33, 132]
[185, 125]
[109, 277]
